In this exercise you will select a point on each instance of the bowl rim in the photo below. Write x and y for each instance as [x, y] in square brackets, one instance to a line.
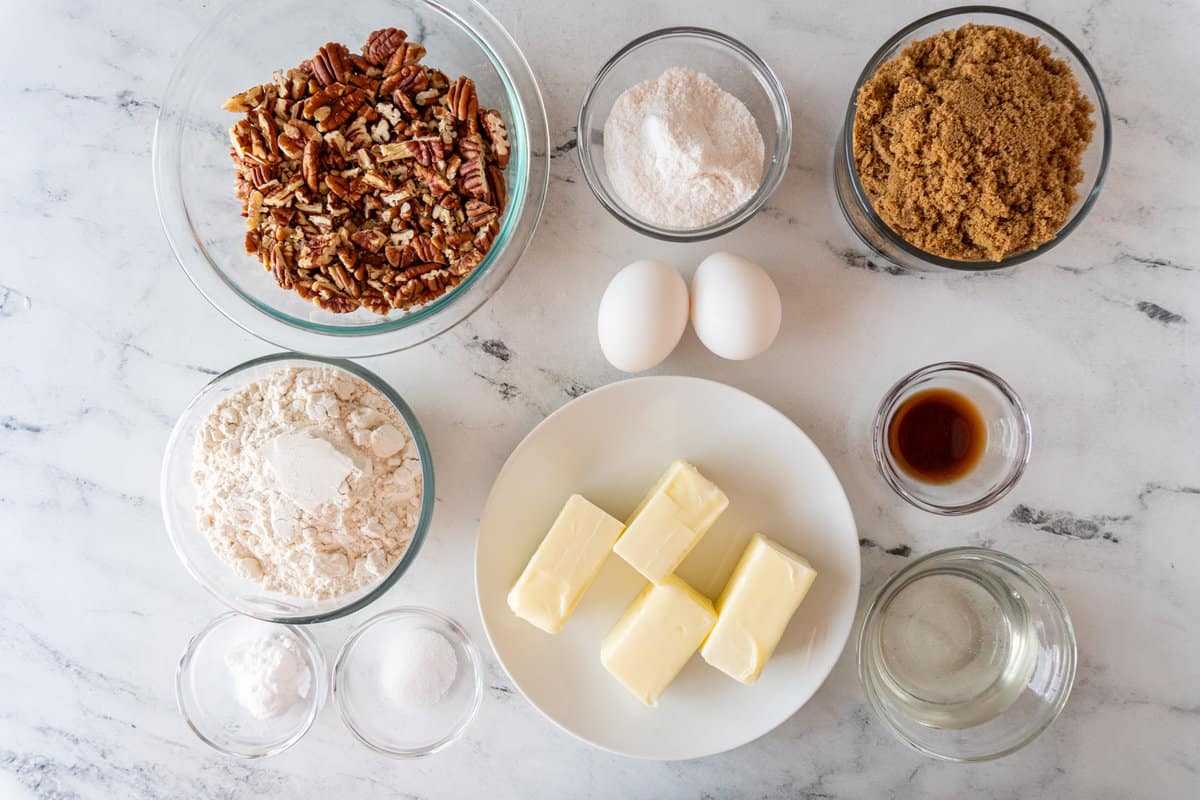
[529, 132]
[773, 171]
[1070, 648]
[464, 639]
[886, 408]
[846, 153]
[320, 685]
[428, 488]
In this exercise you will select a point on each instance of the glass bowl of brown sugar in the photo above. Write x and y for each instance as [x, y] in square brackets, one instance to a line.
[996, 158]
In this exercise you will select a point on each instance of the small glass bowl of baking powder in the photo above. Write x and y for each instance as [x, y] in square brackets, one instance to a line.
[735, 68]
[250, 707]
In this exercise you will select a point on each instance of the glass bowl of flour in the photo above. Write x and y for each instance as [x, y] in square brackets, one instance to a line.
[297, 489]
[684, 134]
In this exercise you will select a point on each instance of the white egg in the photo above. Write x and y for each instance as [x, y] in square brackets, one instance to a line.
[736, 309]
[643, 314]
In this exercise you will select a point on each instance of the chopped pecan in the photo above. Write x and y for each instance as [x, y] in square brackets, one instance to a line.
[325, 98]
[425, 149]
[466, 262]
[497, 133]
[282, 216]
[496, 184]
[480, 213]
[339, 186]
[268, 129]
[290, 147]
[368, 181]
[436, 182]
[358, 135]
[311, 166]
[407, 53]
[262, 174]
[343, 109]
[409, 80]
[246, 101]
[371, 240]
[405, 105]
[456, 241]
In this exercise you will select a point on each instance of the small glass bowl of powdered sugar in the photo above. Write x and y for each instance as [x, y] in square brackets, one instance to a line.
[684, 134]
[250, 688]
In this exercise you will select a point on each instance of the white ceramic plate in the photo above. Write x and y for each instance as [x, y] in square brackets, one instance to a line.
[611, 445]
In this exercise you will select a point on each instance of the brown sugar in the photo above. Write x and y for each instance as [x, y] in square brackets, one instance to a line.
[968, 143]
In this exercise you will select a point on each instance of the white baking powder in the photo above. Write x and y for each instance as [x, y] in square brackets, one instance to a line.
[308, 482]
[269, 675]
[680, 151]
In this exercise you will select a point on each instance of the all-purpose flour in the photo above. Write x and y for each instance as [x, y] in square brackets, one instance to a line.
[680, 151]
[308, 482]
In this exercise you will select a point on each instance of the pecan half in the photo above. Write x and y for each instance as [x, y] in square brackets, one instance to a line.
[381, 44]
[462, 100]
[474, 180]
[329, 64]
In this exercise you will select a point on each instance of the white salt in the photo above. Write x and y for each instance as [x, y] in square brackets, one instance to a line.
[419, 668]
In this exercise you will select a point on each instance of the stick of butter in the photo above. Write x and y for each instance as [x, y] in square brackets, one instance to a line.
[670, 520]
[564, 565]
[767, 586]
[656, 636]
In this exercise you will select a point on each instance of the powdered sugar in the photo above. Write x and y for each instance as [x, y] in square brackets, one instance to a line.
[308, 482]
[680, 151]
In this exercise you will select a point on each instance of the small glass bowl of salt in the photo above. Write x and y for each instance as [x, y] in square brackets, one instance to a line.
[408, 682]
[684, 134]
[250, 688]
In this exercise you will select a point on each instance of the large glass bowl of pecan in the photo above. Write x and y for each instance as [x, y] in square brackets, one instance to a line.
[353, 179]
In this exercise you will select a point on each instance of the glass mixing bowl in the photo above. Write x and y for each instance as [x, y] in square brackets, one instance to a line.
[192, 546]
[852, 198]
[194, 177]
[735, 67]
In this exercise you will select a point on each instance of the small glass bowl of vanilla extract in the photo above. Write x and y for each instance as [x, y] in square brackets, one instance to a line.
[952, 438]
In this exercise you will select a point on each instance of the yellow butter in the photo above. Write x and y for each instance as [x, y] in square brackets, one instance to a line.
[656, 636]
[754, 609]
[564, 565]
[670, 520]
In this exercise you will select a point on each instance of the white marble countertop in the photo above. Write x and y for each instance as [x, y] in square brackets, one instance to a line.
[103, 341]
